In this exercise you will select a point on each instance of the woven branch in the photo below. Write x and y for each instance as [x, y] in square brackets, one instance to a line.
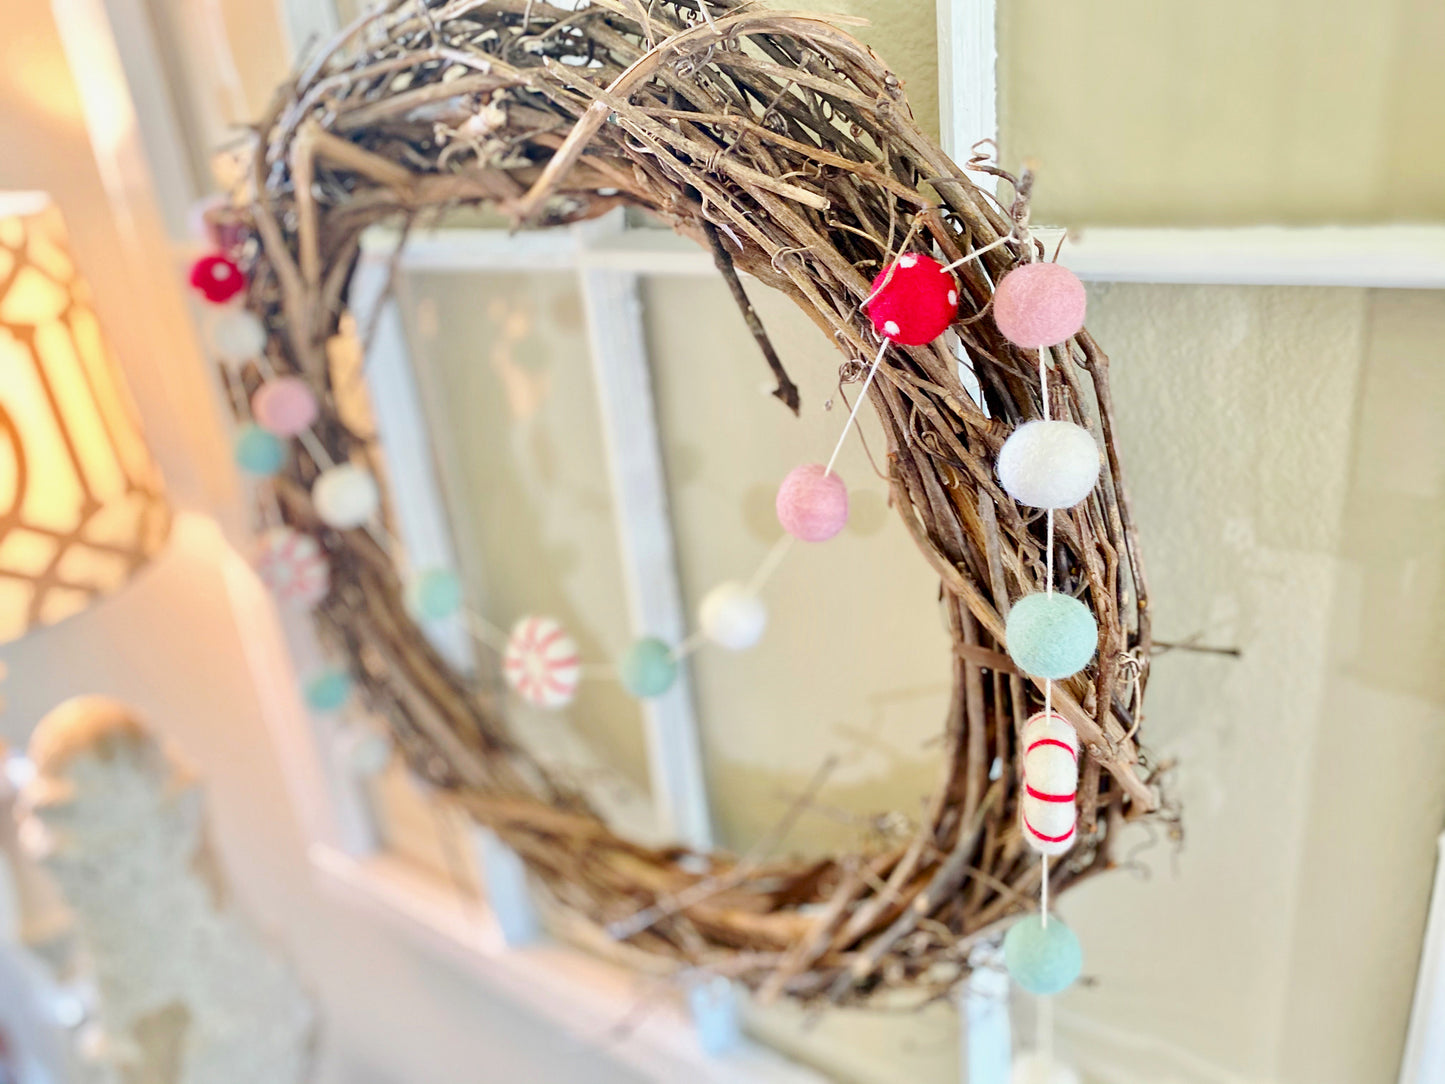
[787, 142]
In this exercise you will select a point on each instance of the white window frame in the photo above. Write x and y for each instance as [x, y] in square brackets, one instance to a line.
[1408, 256]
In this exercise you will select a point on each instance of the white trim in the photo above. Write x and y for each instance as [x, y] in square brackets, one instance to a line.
[639, 252]
[1404, 255]
[587, 998]
[1424, 1060]
[644, 526]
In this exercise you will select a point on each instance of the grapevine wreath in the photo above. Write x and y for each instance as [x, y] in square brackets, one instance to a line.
[788, 150]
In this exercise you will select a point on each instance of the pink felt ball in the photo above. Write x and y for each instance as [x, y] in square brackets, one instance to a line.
[812, 504]
[913, 300]
[217, 278]
[284, 406]
[1039, 304]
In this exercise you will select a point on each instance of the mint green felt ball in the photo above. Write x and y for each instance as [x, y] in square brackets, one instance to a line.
[1042, 959]
[258, 452]
[1051, 636]
[648, 668]
[435, 594]
[328, 689]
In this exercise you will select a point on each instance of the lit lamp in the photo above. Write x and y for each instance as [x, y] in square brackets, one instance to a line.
[81, 501]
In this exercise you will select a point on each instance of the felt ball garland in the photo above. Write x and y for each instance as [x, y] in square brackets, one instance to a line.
[812, 503]
[1051, 779]
[257, 452]
[732, 616]
[236, 336]
[434, 594]
[541, 663]
[345, 496]
[292, 565]
[913, 300]
[1049, 464]
[1051, 635]
[1042, 955]
[1039, 304]
[217, 278]
[649, 668]
[328, 690]
[285, 406]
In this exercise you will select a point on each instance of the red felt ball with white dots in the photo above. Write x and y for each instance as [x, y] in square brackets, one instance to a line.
[217, 278]
[913, 301]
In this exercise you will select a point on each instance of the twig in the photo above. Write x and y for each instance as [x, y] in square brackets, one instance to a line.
[786, 390]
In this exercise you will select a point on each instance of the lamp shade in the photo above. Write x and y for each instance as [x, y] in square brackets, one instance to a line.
[81, 501]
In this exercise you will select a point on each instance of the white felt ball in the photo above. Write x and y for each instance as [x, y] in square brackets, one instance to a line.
[366, 750]
[1052, 464]
[345, 496]
[733, 617]
[236, 336]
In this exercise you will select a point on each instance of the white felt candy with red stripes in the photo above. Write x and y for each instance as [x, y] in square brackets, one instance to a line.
[541, 663]
[1051, 780]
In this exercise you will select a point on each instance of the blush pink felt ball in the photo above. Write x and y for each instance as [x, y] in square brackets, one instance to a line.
[217, 278]
[284, 406]
[1039, 304]
[913, 301]
[812, 504]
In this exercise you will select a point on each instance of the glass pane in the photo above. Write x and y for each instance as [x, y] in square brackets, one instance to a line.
[1237, 111]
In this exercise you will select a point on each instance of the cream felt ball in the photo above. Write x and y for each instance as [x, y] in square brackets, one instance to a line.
[1042, 959]
[345, 496]
[236, 336]
[913, 300]
[812, 503]
[285, 406]
[1039, 304]
[1049, 464]
[648, 669]
[366, 750]
[1051, 635]
[733, 617]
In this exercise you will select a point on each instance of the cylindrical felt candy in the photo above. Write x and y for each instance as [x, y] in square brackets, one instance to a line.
[1039, 304]
[217, 278]
[257, 452]
[1051, 781]
[1051, 635]
[733, 617]
[434, 594]
[541, 663]
[1042, 959]
[812, 503]
[292, 565]
[328, 689]
[285, 406]
[236, 336]
[345, 496]
[1049, 464]
[913, 300]
[648, 669]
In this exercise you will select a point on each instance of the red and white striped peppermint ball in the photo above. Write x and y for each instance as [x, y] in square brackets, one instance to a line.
[292, 565]
[541, 663]
[1051, 781]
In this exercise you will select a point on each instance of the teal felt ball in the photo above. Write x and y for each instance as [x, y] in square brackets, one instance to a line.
[258, 452]
[1051, 636]
[327, 690]
[435, 594]
[1042, 959]
[648, 669]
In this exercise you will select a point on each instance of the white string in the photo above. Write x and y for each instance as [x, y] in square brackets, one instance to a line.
[976, 253]
[315, 449]
[770, 564]
[1044, 894]
[842, 437]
